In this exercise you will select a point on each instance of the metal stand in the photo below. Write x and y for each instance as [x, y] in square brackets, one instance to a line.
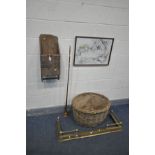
[62, 136]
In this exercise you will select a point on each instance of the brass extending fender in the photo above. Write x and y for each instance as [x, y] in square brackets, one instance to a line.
[76, 134]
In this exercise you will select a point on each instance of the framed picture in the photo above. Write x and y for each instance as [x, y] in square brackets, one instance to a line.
[92, 51]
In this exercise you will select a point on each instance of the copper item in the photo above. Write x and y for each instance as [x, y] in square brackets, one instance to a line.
[63, 136]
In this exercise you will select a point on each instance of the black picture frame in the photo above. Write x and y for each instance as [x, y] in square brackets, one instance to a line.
[88, 47]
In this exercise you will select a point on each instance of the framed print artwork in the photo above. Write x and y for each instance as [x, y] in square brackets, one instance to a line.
[92, 51]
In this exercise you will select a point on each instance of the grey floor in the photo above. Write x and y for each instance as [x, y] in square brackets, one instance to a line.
[41, 138]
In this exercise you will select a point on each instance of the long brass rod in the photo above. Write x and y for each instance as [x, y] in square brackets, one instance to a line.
[114, 114]
[86, 134]
[114, 117]
[65, 109]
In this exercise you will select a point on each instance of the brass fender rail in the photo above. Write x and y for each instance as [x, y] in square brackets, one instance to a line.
[62, 136]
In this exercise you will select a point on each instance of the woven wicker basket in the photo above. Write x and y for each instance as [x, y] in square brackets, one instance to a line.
[90, 109]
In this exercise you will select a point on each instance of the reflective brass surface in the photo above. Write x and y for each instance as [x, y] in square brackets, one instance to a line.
[76, 134]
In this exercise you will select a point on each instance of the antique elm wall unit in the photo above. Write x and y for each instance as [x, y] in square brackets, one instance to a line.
[67, 19]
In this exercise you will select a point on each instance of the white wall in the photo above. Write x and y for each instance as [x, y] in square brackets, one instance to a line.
[67, 19]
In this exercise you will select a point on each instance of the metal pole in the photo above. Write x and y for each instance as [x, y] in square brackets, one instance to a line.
[65, 109]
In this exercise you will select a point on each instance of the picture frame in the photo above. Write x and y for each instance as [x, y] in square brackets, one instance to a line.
[92, 51]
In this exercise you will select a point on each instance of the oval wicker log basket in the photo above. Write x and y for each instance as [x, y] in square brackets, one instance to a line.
[90, 109]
